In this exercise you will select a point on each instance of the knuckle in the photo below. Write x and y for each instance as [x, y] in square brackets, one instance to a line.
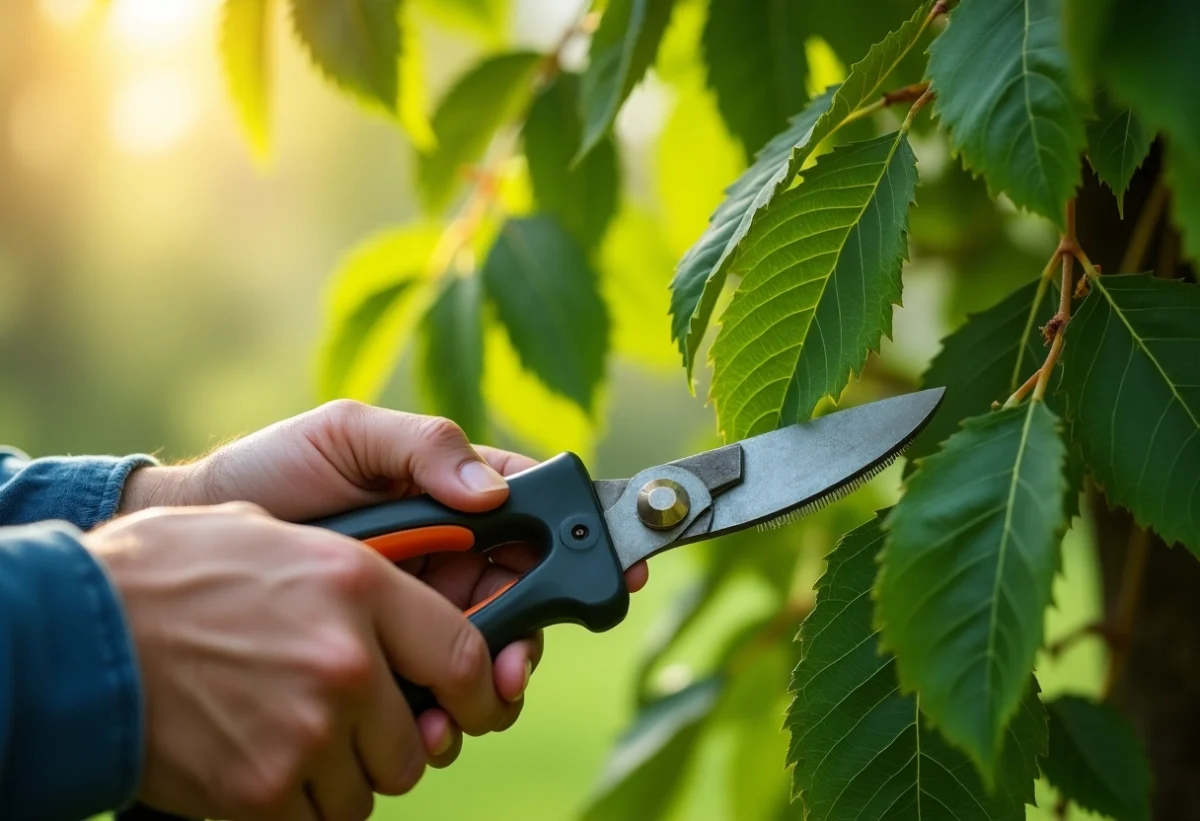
[438, 430]
[264, 789]
[469, 657]
[342, 410]
[343, 665]
[240, 509]
[350, 570]
[314, 730]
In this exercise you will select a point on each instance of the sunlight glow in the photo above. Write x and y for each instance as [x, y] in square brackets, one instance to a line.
[42, 126]
[153, 112]
[156, 23]
[65, 13]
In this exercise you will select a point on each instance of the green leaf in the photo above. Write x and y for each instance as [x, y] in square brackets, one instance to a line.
[985, 361]
[822, 274]
[860, 746]
[481, 101]
[452, 355]
[971, 554]
[373, 300]
[1134, 398]
[1095, 759]
[622, 49]
[1150, 62]
[752, 707]
[245, 55]
[546, 294]
[648, 766]
[1183, 173]
[355, 43]
[702, 271]
[584, 196]
[1117, 145]
[754, 51]
[1003, 91]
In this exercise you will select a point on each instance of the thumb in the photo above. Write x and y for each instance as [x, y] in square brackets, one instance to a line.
[434, 454]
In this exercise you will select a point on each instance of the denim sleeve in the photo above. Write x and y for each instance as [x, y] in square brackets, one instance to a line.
[70, 696]
[82, 490]
[71, 721]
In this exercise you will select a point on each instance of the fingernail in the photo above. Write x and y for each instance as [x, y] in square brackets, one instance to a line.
[444, 744]
[480, 477]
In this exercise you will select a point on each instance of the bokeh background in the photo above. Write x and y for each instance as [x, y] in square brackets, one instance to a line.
[160, 291]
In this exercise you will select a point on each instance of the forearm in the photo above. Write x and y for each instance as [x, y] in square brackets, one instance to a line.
[70, 700]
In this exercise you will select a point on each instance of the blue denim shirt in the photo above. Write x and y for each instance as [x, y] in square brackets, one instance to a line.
[70, 694]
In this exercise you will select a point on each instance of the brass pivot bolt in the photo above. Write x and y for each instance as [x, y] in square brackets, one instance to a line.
[662, 504]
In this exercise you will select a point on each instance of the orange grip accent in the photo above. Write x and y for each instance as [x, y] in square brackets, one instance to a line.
[492, 597]
[409, 544]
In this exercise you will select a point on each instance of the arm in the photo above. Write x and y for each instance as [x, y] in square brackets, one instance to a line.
[70, 700]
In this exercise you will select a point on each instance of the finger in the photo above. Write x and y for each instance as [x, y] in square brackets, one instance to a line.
[427, 640]
[636, 576]
[442, 738]
[506, 462]
[386, 738]
[340, 789]
[431, 452]
[514, 666]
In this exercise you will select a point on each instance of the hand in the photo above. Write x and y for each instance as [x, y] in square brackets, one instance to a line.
[266, 652]
[345, 455]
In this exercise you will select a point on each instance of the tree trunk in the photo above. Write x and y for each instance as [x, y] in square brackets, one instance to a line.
[1158, 685]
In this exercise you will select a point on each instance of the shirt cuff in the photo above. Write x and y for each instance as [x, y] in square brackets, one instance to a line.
[76, 734]
[82, 490]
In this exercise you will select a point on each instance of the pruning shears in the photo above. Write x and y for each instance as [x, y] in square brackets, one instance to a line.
[590, 531]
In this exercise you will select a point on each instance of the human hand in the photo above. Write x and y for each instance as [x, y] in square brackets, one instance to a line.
[344, 455]
[267, 653]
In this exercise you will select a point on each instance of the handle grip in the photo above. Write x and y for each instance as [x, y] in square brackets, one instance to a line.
[552, 506]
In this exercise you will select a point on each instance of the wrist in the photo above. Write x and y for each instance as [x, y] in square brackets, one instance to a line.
[155, 486]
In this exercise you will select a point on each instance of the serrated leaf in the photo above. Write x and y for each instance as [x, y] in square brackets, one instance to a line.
[547, 296]
[245, 43]
[372, 302]
[1001, 76]
[355, 43]
[482, 100]
[966, 574]
[452, 355]
[1117, 145]
[622, 49]
[1095, 759]
[582, 196]
[702, 271]
[754, 52]
[985, 361]
[647, 768]
[860, 746]
[1133, 397]
[822, 274]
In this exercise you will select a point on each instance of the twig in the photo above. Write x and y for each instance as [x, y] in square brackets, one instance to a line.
[1128, 598]
[925, 97]
[1096, 628]
[1021, 392]
[1139, 240]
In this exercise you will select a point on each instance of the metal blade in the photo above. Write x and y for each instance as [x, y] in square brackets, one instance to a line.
[798, 465]
[786, 470]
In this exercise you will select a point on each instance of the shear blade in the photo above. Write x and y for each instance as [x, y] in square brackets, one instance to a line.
[781, 471]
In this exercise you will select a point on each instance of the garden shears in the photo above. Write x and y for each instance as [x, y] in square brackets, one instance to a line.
[588, 532]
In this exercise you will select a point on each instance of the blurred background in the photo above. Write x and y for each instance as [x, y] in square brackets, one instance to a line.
[161, 292]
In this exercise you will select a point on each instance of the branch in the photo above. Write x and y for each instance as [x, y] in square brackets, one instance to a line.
[1139, 240]
[1127, 604]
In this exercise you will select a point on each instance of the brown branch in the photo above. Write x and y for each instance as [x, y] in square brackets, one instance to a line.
[1127, 604]
[1139, 240]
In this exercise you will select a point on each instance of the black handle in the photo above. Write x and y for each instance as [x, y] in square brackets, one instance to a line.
[553, 506]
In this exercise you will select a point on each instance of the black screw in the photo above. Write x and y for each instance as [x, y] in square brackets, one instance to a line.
[579, 532]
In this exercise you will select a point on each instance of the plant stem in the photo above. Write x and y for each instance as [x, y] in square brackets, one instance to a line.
[1127, 604]
[925, 97]
[1058, 323]
[1020, 392]
[1139, 240]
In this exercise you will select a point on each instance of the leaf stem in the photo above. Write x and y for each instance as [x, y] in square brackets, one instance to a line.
[1139, 240]
[925, 97]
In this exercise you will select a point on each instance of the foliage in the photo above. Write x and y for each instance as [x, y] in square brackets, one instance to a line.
[544, 261]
